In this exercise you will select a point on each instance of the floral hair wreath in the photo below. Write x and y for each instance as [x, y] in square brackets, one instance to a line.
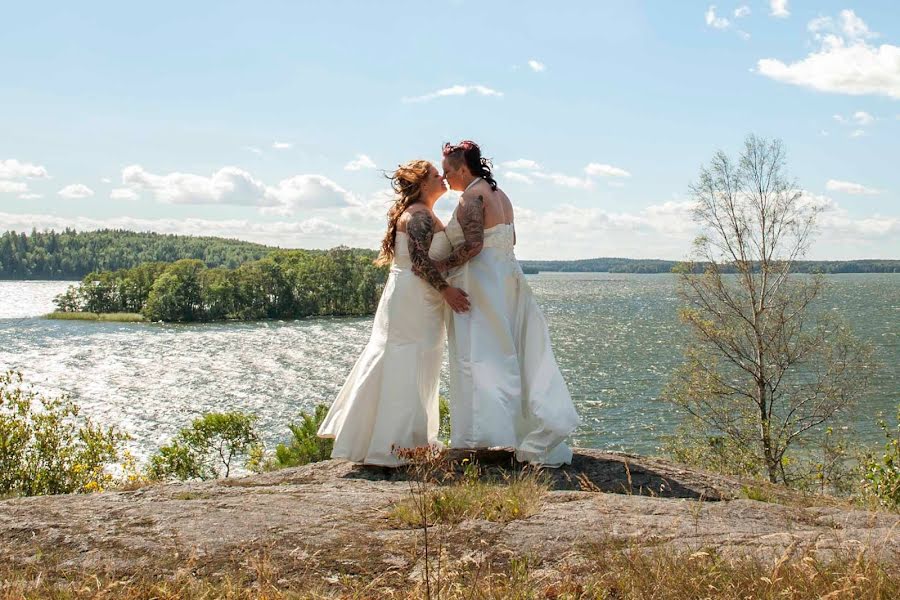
[464, 145]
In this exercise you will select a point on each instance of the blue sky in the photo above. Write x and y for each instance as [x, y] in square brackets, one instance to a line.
[272, 121]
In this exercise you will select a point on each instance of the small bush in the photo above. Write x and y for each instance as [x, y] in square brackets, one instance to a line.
[206, 449]
[305, 446]
[45, 448]
[881, 474]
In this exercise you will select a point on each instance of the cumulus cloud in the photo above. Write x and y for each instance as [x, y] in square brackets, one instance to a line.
[514, 176]
[600, 170]
[844, 63]
[848, 187]
[563, 179]
[228, 185]
[456, 90]
[13, 187]
[714, 21]
[314, 232]
[76, 191]
[305, 192]
[863, 118]
[237, 187]
[741, 11]
[14, 169]
[536, 66]
[779, 8]
[123, 194]
[361, 162]
[521, 163]
[282, 145]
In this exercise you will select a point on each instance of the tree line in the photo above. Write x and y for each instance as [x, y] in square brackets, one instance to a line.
[71, 254]
[629, 265]
[286, 284]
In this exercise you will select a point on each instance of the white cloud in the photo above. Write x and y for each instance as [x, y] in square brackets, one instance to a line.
[374, 210]
[105, 180]
[514, 176]
[563, 180]
[361, 162]
[863, 118]
[14, 169]
[76, 191]
[282, 145]
[13, 187]
[313, 232]
[743, 34]
[521, 163]
[228, 185]
[857, 133]
[848, 187]
[600, 170]
[844, 63]
[255, 150]
[456, 90]
[741, 11]
[30, 196]
[123, 194]
[306, 192]
[537, 66]
[779, 8]
[714, 21]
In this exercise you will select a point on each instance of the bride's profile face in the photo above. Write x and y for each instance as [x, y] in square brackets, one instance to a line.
[434, 186]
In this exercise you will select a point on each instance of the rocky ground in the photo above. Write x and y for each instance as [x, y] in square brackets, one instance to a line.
[329, 520]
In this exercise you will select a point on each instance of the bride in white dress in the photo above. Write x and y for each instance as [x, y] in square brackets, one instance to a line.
[505, 386]
[390, 398]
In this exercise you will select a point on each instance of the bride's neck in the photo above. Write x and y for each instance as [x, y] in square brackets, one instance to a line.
[467, 180]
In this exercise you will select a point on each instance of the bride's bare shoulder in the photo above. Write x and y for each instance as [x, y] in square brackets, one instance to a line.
[416, 209]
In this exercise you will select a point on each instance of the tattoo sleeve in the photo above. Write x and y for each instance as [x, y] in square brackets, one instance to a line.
[420, 230]
[470, 215]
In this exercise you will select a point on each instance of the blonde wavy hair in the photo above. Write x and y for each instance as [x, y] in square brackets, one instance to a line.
[406, 182]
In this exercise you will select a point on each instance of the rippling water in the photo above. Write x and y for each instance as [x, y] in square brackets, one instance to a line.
[616, 338]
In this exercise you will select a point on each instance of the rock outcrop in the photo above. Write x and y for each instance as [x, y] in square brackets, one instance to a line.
[330, 518]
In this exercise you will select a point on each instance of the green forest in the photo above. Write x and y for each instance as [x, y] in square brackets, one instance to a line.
[630, 265]
[286, 284]
[70, 254]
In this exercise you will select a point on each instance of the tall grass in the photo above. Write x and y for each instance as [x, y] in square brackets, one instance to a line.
[608, 571]
[88, 316]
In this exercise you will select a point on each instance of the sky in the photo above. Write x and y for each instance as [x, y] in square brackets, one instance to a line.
[275, 121]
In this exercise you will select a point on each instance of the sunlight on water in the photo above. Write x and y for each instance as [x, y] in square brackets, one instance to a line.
[616, 338]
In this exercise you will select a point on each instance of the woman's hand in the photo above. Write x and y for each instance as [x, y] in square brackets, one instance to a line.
[456, 298]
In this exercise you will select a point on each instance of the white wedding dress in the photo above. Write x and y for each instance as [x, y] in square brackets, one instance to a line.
[505, 386]
[390, 398]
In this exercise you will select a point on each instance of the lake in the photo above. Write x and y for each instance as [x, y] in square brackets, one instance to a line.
[616, 338]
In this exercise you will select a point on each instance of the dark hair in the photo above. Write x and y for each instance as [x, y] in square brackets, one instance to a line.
[468, 151]
[406, 182]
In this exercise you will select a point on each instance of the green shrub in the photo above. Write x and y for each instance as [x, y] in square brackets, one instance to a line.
[881, 474]
[305, 446]
[45, 448]
[206, 449]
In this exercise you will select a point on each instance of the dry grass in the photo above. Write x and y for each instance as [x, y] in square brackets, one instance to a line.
[604, 572]
[513, 496]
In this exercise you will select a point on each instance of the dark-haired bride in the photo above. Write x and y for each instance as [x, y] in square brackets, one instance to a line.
[390, 398]
[505, 386]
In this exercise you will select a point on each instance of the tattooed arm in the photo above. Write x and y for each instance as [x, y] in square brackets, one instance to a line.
[420, 230]
[470, 215]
